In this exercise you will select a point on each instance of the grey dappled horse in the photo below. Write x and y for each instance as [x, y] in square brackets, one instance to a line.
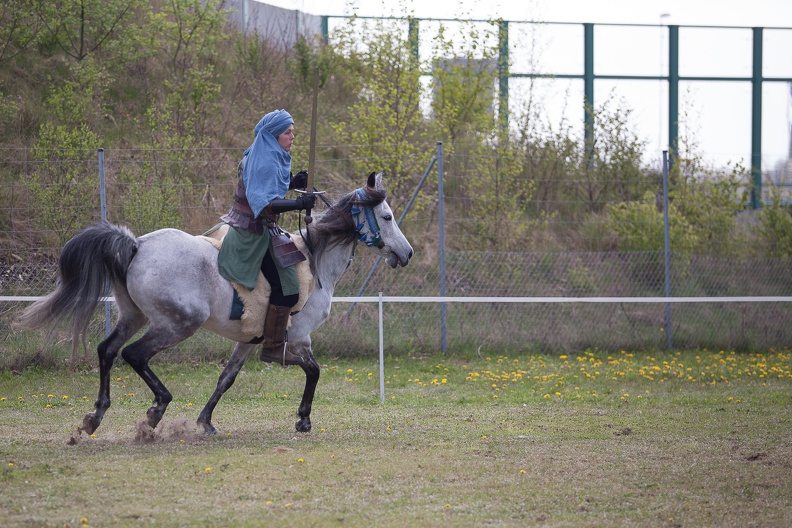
[169, 279]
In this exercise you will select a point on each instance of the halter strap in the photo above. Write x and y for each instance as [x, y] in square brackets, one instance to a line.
[373, 237]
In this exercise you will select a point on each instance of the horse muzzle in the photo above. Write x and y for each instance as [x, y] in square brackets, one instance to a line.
[395, 259]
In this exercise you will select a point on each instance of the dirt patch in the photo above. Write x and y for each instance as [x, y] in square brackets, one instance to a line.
[167, 431]
[175, 430]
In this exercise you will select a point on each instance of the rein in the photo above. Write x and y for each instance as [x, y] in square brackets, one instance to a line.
[307, 237]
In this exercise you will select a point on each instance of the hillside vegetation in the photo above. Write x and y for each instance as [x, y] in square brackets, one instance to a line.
[172, 81]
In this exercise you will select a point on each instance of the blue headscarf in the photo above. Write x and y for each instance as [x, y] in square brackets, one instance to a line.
[267, 168]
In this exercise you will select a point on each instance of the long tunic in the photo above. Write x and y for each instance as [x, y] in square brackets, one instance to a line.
[246, 243]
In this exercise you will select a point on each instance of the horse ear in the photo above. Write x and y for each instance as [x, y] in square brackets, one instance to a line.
[372, 180]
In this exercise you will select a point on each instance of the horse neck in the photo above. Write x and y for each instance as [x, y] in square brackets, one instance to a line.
[333, 263]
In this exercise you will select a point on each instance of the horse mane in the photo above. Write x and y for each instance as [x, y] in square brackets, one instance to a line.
[335, 226]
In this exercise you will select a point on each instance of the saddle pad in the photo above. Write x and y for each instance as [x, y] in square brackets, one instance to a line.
[255, 301]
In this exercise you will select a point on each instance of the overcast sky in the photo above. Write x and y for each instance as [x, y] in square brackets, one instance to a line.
[719, 111]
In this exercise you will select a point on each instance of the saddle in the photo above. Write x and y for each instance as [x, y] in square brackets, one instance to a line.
[255, 301]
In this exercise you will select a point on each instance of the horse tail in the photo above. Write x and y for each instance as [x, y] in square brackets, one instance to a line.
[91, 263]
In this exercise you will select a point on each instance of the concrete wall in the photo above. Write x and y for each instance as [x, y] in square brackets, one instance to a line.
[282, 27]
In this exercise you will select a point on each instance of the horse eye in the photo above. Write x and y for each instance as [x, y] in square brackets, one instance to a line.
[387, 217]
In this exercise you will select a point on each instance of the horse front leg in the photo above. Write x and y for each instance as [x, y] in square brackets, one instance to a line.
[312, 371]
[238, 358]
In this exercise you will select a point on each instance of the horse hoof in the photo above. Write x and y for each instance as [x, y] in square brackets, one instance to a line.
[90, 423]
[208, 428]
[153, 417]
[303, 425]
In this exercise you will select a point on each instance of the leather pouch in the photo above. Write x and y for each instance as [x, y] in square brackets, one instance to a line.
[283, 249]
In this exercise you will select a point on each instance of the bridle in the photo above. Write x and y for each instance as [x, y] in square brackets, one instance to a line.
[373, 237]
[361, 216]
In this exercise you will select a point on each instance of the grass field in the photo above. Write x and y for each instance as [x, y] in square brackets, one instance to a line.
[696, 438]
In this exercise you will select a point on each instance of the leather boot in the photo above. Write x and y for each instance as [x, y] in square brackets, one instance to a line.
[275, 323]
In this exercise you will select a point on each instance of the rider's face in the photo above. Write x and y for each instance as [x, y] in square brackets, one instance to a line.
[286, 139]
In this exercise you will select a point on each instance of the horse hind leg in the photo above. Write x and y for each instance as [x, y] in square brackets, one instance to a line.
[108, 351]
[138, 355]
[238, 358]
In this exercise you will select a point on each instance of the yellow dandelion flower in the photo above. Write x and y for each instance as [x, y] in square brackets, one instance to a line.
[208, 470]
[300, 460]
[10, 464]
[83, 521]
[522, 472]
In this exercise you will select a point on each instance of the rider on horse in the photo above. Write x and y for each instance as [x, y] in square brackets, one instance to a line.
[264, 179]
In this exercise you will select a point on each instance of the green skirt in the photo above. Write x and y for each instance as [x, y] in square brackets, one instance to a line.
[240, 260]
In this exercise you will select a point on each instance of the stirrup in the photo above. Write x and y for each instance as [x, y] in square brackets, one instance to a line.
[265, 356]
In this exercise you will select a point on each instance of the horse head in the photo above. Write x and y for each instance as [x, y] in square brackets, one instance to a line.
[375, 225]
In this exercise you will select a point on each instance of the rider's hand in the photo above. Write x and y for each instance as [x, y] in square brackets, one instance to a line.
[299, 180]
[306, 201]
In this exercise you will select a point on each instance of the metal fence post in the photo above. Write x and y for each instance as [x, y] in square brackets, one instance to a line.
[588, 89]
[666, 250]
[503, 74]
[756, 121]
[673, 90]
[381, 353]
[441, 227]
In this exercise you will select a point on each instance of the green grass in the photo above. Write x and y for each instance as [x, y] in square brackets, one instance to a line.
[693, 438]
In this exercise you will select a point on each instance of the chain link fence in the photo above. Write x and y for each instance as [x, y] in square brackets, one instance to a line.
[28, 268]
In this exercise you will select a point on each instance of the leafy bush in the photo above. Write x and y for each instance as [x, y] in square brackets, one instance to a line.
[775, 228]
[639, 226]
[65, 184]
